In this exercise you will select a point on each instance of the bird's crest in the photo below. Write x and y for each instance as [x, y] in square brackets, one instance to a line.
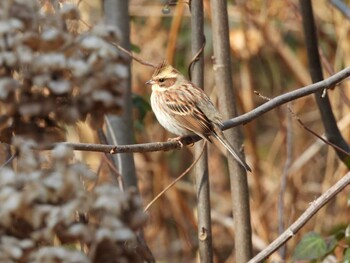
[164, 69]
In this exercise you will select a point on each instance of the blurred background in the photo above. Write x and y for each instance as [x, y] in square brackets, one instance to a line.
[268, 56]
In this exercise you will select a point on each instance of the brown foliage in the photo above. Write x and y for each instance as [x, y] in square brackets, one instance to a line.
[51, 75]
[46, 210]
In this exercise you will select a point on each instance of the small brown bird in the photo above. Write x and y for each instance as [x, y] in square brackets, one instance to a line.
[184, 109]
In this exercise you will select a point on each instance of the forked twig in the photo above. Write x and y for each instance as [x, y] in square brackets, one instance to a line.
[176, 180]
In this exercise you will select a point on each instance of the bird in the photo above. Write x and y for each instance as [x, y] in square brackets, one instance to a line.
[184, 109]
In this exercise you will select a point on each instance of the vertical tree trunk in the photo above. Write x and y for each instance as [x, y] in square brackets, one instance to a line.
[238, 178]
[201, 169]
[121, 127]
[117, 14]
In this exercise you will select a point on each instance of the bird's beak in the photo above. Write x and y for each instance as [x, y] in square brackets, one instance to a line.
[150, 82]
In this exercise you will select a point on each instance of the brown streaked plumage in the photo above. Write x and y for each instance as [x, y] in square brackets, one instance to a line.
[184, 109]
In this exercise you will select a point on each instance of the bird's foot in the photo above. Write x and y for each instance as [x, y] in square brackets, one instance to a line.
[178, 140]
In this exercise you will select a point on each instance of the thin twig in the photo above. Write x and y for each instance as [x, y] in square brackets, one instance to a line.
[118, 176]
[303, 219]
[129, 53]
[261, 96]
[316, 146]
[316, 135]
[141, 61]
[176, 180]
[109, 159]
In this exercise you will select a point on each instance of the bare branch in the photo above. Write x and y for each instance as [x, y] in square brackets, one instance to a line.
[342, 7]
[287, 97]
[129, 53]
[317, 135]
[303, 219]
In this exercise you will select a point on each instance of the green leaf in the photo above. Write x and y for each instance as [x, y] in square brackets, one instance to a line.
[311, 246]
[346, 258]
[135, 48]
[142, 107]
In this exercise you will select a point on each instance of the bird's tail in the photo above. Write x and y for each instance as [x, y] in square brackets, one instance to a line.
[219, 135]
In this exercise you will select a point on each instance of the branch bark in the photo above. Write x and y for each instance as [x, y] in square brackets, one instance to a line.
[303, 219]
[201, 169]
[238, 176]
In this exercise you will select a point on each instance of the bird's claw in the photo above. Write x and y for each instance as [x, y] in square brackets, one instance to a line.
[191, 144]
[178, 140]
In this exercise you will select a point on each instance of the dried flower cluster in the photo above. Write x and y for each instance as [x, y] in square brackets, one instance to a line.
[46, 215]
[50, 76]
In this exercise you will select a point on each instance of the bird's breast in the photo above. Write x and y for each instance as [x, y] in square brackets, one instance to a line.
[164, 115]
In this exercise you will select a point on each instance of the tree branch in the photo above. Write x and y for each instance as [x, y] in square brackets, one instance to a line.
[342, 7]
[303, 219]
[242, 119]
[287, 97]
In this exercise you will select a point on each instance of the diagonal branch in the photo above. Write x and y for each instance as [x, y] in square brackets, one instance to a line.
[303, 219]
[287, 97]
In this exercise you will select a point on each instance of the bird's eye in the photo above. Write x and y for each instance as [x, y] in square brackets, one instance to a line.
[161, 80]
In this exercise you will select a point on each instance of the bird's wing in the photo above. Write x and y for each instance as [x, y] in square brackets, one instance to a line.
[194, 111]
[184, 108]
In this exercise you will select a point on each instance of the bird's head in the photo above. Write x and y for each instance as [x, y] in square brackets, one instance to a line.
[164, 77]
